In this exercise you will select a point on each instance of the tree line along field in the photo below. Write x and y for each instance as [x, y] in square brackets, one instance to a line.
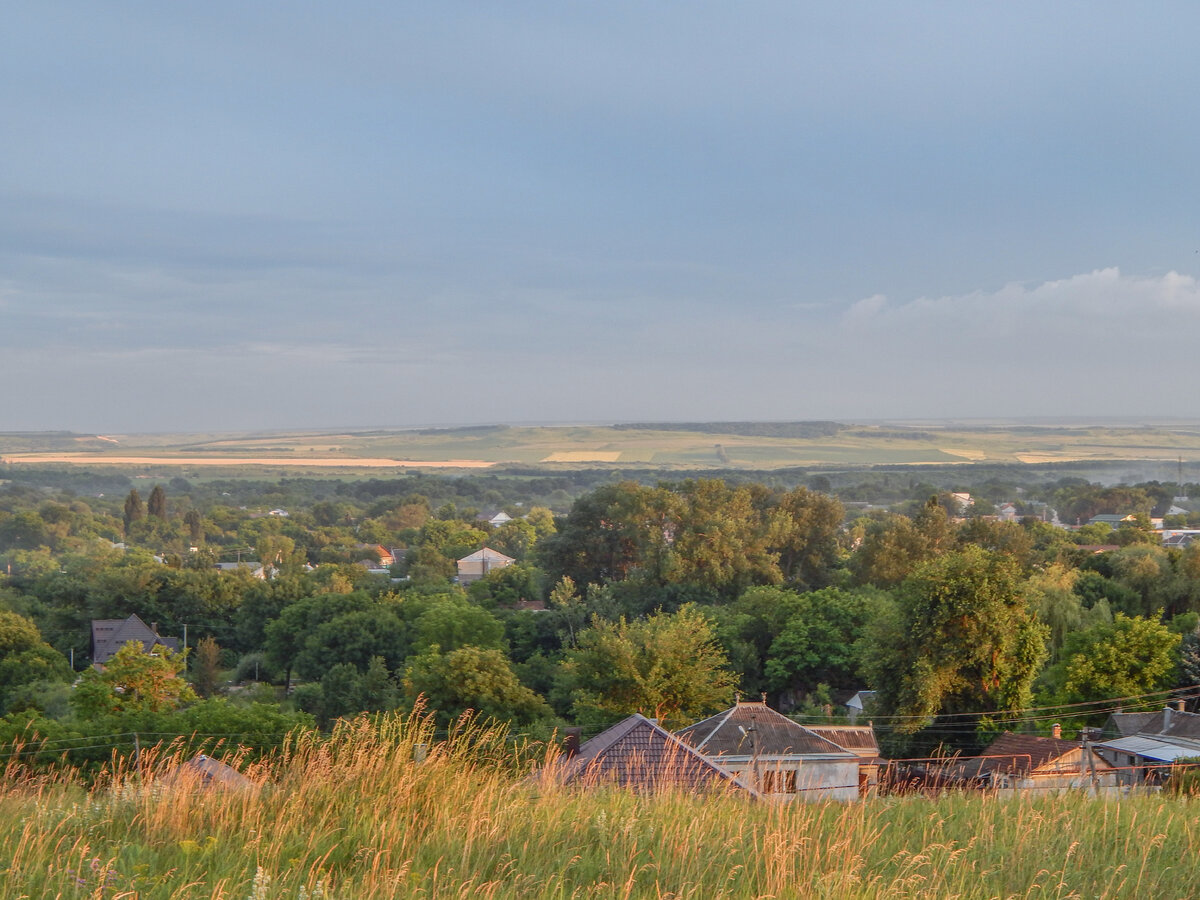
[747, 446]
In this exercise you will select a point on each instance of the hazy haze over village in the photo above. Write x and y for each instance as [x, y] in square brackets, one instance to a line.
[267, 216]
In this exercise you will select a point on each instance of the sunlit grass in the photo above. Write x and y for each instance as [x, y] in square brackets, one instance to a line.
[358, 816]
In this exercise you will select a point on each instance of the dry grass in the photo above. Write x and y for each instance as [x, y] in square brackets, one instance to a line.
[356, 815]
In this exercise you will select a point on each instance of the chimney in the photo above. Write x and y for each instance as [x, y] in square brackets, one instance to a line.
[1167, 717]
[154, 628]
[1056, 731]
[571, 742]
[1181, 705]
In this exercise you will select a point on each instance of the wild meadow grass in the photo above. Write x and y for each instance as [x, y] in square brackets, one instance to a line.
[381, 810]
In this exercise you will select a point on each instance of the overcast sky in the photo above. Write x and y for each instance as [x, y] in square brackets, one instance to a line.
[231, 215]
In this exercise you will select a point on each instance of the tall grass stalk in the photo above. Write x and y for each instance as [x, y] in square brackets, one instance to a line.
[357, 815]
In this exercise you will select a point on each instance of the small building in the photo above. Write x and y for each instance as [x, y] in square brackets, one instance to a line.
[639, 755]
[256, 569]
[1143, 746]
[205, 772]
[856, 703]
[781, 759]
[859, 740]
[477, 565]
[1030, 761]
[1113, 520]
[110, 635]
[1007, 512]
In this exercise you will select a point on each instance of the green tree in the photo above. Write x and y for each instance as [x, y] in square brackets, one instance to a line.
[1126, 658]
[157, 504]
[965, 642]
[135, 509]
[472, 678]
[667, 666]
[206, 670]
[25, 659]
[452, 622]
[194, 524]
[134, 681]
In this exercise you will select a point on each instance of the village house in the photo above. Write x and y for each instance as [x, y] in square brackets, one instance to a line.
[781, 759]
[859, 740]
[1143, 746]
[477, 565]
[1031, 762]
[638, 754]
[110, 635]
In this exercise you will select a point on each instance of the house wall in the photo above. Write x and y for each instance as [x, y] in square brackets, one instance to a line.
[815, 780]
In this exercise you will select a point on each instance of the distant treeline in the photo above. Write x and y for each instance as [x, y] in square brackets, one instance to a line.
[746, 429]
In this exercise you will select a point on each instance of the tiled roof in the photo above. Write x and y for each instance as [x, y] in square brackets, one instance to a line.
[487, 554]
[1019, 752]
[1124, 724]
[752, 727]
[1167, 722]
[858, 739]
[110, 635]
[638, 754]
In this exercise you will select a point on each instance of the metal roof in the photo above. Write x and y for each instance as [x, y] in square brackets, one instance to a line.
[1149, 748]
[752, 728]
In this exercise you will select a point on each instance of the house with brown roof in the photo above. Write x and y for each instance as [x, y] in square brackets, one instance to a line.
[639, 755]
[782, 759]
[1030, 761]
[110, 635]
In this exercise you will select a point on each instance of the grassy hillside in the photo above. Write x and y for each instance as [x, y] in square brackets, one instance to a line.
[356, 817]
[695, 446]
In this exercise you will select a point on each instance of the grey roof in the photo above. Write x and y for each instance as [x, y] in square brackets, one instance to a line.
[209, 772]
[638, 754]
[110, 635]
[752, 728]
[1124, 724]
[1163, 722]
[1149, 748]
[1164, 735]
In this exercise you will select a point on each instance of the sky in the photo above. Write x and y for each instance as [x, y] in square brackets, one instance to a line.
[246, 216]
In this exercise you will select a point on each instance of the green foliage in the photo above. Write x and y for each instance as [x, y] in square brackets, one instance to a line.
[134, 681]
[156, 505]
[25, 659]
[702, 533]
[135, 509]
[1127, 657]
[206, 669]
[475, 679]
[965, 641]
[451, 622]
[667, 666]
[316, 633]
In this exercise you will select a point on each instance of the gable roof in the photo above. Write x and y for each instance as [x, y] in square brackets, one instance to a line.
[1022, 755]
[858, 739]
[1025, 752]
[487, 554]
[752, 728]
[110, 635]
[638, 754]
[208, 772]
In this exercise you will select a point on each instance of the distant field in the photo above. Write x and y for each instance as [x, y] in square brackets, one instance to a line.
[696, 446]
